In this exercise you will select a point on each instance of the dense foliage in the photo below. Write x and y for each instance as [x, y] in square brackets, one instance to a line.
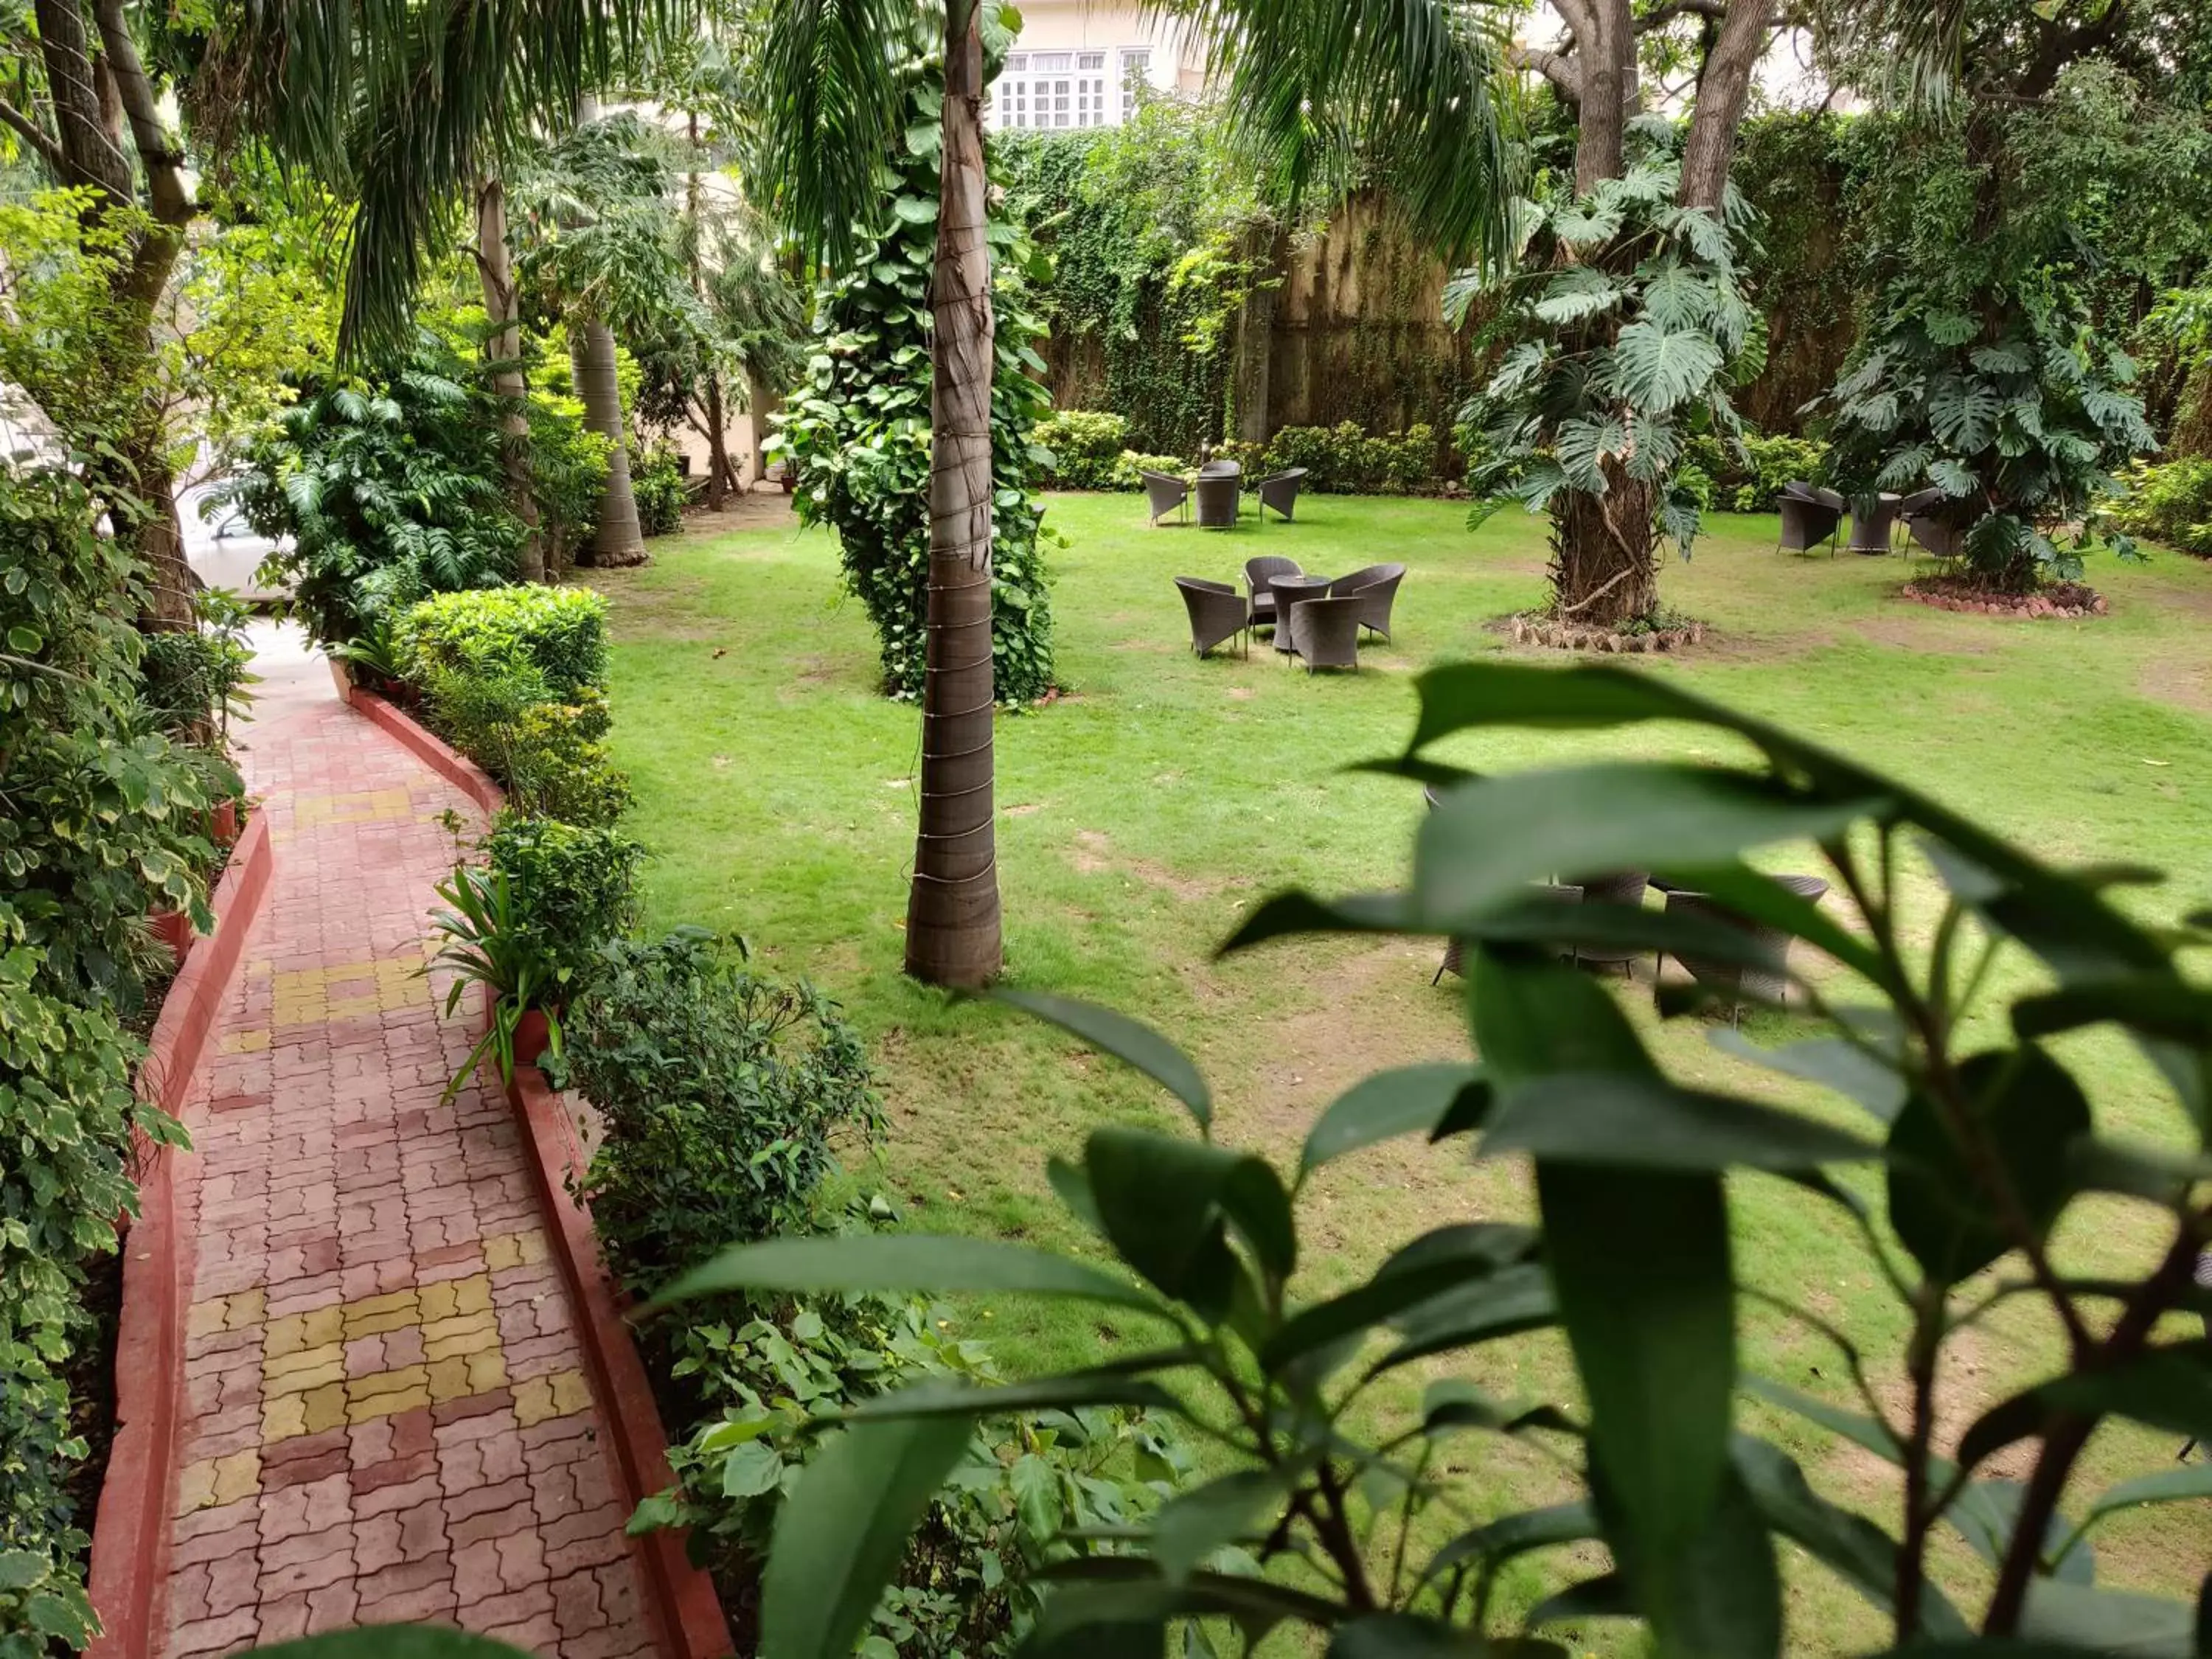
[1959, 1141]
[1345, 460]
[390, 488]
[721, 1091]
[857, 431]
[560, 634]
[574, 888]
[657, 479]
[1624, 328]
[2170, 503]
[104, 822]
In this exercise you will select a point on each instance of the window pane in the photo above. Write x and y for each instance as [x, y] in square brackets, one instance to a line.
[1049, 61]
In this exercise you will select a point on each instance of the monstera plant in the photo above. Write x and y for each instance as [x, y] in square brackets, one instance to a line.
[1624, 326]
[1955, 1144]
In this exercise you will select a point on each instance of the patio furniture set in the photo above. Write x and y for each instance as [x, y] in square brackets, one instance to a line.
[1812, 516]
[1219, 490]
[1764, 979]
[1316, 619]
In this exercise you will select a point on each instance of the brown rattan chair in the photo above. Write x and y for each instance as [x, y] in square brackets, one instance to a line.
[1626, 888]
[1377, 589]
[1257, 575]
[1324, 632]
[1927, 517]
[1809, 517]
[1280, 492]
[1166, 494]
[1873, 522]
[1216, 500]
[1217, 613]
[1737, 983]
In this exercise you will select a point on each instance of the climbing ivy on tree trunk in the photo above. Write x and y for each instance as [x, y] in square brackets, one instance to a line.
[858, 429]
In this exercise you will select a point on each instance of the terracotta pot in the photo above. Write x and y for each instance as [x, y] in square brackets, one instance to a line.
[174, 929]
[222, 823]
[532, 1036]
[790, 483]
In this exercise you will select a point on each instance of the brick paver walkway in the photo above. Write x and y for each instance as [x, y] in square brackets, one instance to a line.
[387, 1416]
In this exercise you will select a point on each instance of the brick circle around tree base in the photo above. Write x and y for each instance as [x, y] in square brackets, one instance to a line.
[1577, 637]
[2067, 600]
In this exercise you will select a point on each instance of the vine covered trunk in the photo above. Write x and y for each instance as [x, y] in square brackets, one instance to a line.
[1605, 568]
[952, 934]
[619, 539]
[496, 273]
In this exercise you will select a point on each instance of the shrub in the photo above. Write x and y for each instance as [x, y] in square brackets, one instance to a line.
[965, 1584]
[2169, 502]
[575, 887]
[657, 480]
[194, 680]
[560, 632]
[567, 475]
[1129, 467]
[388, 488]
[547, 753]
[720, 1089]
[1750, 481]
[1345, 460]
[1083, 447]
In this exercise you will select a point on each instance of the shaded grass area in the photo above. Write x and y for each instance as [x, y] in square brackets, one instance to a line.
[1144, 814]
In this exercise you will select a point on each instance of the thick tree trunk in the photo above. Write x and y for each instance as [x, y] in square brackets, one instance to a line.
[1252, 375]
[619, 540]
[1723, 91]
[952, 910]
[719, 475]
[1609, 57]
[496, 273]
[761, 402]
[1604, 568]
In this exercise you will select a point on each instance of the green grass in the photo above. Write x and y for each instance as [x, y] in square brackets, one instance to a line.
[1142, 815]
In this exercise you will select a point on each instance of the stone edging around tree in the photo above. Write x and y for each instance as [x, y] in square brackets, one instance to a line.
[2028, 606]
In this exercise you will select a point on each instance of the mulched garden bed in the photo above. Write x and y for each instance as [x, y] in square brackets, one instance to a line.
[90, 1374]
[2065, 600]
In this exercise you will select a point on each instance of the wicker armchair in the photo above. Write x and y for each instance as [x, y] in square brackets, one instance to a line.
[1377, 589]
[1280, 492]
[1873, 522]
[1625, 889]
[1928, 521]
[1324, 632]
[1166, 494]
[1739, 984]
[1258, 573]
[1216, 500]
[1809, 517]
[1218, 612]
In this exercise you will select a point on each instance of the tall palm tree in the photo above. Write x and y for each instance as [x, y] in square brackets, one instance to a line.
[1413, 82]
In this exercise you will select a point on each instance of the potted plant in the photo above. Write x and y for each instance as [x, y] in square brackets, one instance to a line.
[485, 944]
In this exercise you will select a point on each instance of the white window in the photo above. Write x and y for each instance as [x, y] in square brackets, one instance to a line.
[1091, 89]
[1136, 70]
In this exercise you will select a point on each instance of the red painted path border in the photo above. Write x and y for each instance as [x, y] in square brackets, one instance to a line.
[687, 1615]
[131, 1529]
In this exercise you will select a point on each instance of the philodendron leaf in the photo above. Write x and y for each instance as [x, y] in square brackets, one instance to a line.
[2030, 1112]
[1406, 1100]
[890, 1261]
[1640, 1260]
[1126, 1039]
[1489, 839]
[840, 1534]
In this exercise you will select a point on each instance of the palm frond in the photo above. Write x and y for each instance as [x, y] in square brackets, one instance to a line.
[1415, 86]
[829, 104]
[1919, 43]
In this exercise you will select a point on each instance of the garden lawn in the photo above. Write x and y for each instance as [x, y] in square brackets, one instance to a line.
[1142, 815]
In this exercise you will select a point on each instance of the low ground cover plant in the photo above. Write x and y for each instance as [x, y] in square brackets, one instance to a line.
[2168, 502]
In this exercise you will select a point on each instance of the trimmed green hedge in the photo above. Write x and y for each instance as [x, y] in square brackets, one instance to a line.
[561, 633]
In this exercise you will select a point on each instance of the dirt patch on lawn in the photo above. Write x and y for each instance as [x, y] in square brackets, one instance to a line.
[757, 509]
[2180, 684]
[1093, 854]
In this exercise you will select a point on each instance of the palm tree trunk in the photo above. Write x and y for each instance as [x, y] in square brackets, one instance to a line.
[718, 442]
[761, 402]
[952, 910]
[496, 272]
[618, 539]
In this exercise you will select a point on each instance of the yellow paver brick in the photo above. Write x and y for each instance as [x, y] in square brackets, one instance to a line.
[398, 1380]
[374, 1314]
[301, 1360]
[214, 1481]
[247, 1309]
[487, 1372]
[326, 1407]
[244, 1043]
[449, 1380]
[196, 1486]
[513, 1249]
[206, 1318]
[561, 1394]
[306, 1379]
[284, 1418]
[452, 1297]
[294, 1333]
[388, 1405]
[453, 1338]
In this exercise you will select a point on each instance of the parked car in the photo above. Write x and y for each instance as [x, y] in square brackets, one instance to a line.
[222, 548]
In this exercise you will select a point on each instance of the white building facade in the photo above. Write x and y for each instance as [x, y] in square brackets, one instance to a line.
[1080, 63]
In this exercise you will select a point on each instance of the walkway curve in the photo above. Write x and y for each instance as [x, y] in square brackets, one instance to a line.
[387, 1414]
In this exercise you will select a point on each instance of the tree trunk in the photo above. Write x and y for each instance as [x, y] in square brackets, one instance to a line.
[1723, 91]
[1251, 375]
[496, 272]
[1604, 571]
[952, 910]
[1608, 85]
[761, 402]
[719, 475]
[618, 539]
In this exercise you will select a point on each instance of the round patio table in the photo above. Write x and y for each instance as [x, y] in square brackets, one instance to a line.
[1288, 591]
[1221, 470]
[1871, 529]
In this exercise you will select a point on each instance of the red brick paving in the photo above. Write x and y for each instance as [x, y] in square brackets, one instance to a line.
[387, 1416]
